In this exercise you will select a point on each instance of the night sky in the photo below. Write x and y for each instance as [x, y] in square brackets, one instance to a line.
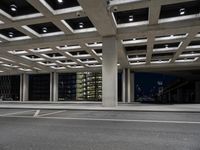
[147, 84]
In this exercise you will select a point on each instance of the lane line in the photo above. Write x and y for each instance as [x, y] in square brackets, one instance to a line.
[110, 120]
[36, 113]
[15, 113]
[52, 113]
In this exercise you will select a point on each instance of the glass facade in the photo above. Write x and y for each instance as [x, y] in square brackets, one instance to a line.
[39, 87]
[67, 86]
[80, 86]
[89, 86]
[10, 88]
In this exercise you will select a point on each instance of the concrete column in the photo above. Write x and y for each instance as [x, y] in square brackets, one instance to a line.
[51, 87]
[124, 86]
[109, 72]
[132, 87]
[197, 91]
[128, 86]
[21, 88]
[25, 83]
[54, 87]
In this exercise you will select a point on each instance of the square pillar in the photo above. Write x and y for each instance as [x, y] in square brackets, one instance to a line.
[109, 72]
[132, 87]
[54, 87]
[128, 85]
[124, 86]
[21, 88]
[128, 91]
[25, 87]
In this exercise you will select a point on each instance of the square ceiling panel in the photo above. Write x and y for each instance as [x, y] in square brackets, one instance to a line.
[17, 7]
[43, 28]
[11, 33]
[129, 16]
[166, 45]
[80, 23]
[180, 9]
[194, 43]
[162, 55]
[136, 48]
[54, 55]
[62, 4]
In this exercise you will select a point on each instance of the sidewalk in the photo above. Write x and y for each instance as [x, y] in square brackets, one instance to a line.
[97, 106]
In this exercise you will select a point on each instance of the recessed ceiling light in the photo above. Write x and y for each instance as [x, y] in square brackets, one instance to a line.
[81, 25]
[182, 11]
[13, 7]
[60, 1]
[115, 8]
[130, 18]
[11, 34]
[44, 30]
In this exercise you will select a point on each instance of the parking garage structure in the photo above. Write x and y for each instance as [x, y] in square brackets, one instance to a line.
[43, 40]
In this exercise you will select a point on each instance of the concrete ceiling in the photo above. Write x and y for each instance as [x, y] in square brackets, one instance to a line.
[65, 37]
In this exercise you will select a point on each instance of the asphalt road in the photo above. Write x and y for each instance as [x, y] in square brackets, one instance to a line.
[98, 130]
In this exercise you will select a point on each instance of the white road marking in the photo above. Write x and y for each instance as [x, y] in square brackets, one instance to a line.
[112, 120]
[52, 113]
[36, 113]
[18, 112]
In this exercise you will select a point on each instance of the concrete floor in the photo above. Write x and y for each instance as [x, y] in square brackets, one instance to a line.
[23, 129]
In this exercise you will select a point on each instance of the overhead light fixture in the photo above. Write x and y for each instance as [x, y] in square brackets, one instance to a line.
[44, 30]
[115, 8]
[182, 11]
[13, 7]
[81, 24]
[60, 1]
[10, 34]
[130, 18]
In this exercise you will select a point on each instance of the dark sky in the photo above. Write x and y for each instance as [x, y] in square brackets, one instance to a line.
[148, 83]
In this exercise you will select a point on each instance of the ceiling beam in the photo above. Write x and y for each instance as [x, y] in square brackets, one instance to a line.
[184, 44]
[99, 15]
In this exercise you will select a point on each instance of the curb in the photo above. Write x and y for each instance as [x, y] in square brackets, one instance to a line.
[100, 109]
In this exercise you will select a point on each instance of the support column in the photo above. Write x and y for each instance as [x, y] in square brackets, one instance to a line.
[109, 72]
[51, 87]
[124, 86]
[197, 91]
[21, 88]
[132, 87]
[128, 86]
[25, 94]
[54, 87]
